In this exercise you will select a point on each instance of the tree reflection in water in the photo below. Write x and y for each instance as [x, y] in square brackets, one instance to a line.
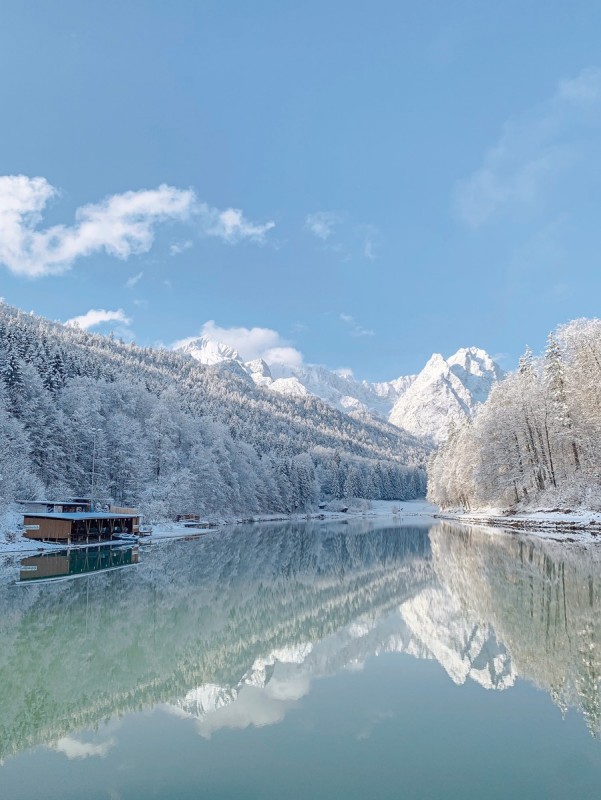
[198, 623]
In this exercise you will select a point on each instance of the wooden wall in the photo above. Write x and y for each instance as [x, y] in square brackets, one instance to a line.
[49, 528]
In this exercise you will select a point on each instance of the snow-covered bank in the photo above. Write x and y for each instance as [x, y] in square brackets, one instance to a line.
[562, 525]
[13, 541]
[568, 525]
[395, 510]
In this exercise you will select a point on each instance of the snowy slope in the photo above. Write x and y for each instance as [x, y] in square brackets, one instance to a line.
[344, 392]
[423, 404]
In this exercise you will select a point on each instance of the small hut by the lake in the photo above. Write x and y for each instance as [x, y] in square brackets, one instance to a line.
[77, 527]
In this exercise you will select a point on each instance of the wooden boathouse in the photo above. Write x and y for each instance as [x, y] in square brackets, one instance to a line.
[79, 526]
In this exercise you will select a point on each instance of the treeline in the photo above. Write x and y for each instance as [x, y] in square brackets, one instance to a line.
[85, 414]
[536, 442]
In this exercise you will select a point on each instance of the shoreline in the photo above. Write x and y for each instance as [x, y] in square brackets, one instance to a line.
[562, 526]
[170, 531]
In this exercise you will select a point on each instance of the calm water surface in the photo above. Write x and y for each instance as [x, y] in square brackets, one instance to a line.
[354, 660]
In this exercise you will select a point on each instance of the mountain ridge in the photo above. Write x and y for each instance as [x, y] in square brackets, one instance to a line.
[444, 391]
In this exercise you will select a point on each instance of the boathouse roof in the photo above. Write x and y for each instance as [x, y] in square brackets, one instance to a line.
[79, 502]
[76, 515]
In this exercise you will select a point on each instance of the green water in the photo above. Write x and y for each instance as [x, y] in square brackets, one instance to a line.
[308, 661]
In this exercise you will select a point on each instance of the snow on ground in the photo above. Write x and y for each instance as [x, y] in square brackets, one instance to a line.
[562, 525]
[11, 539]
[401, 508]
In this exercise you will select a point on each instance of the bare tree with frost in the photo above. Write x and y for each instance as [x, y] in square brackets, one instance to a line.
[536, 442]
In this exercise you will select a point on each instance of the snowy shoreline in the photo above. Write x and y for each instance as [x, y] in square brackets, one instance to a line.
[378, 509]
[564, 526]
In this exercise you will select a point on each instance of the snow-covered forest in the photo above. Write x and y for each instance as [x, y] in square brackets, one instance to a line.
[85, 414]
[536, 442]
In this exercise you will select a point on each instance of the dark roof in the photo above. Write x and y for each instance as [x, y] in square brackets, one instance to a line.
[78, 502]
[75, 515]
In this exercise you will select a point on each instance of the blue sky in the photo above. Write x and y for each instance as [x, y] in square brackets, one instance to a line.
[365, 183]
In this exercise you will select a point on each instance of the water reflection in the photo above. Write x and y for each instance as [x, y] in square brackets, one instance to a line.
[232, 629]
[543, 600]
[58, 565]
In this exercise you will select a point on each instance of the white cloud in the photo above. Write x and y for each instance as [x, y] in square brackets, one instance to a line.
[251, 343]
[179, 247]
[124, 333]
[283, 355]
[355, 328]
[322, 223]
[501, 359]
[231, 225]
[96, 316]
[371, 240]
[345, 372]
[361, 239]
[74, 749]
[120, 225]
[131, 282]
[532, 150]
[369, 250]
[583, 90]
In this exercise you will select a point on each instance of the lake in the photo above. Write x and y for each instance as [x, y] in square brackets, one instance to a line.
[305, 660]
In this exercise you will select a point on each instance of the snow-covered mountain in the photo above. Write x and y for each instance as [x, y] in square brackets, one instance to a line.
[446, 391]
[342, 392]
[424, 404]
[208, 351]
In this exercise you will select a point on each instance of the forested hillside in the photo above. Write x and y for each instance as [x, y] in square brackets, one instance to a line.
[82, 413]
[536, 442]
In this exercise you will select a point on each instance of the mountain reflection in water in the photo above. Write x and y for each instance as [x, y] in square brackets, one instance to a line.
[231, 629]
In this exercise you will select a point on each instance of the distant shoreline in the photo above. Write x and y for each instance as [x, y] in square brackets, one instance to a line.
[170, 531]
[585, 524]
